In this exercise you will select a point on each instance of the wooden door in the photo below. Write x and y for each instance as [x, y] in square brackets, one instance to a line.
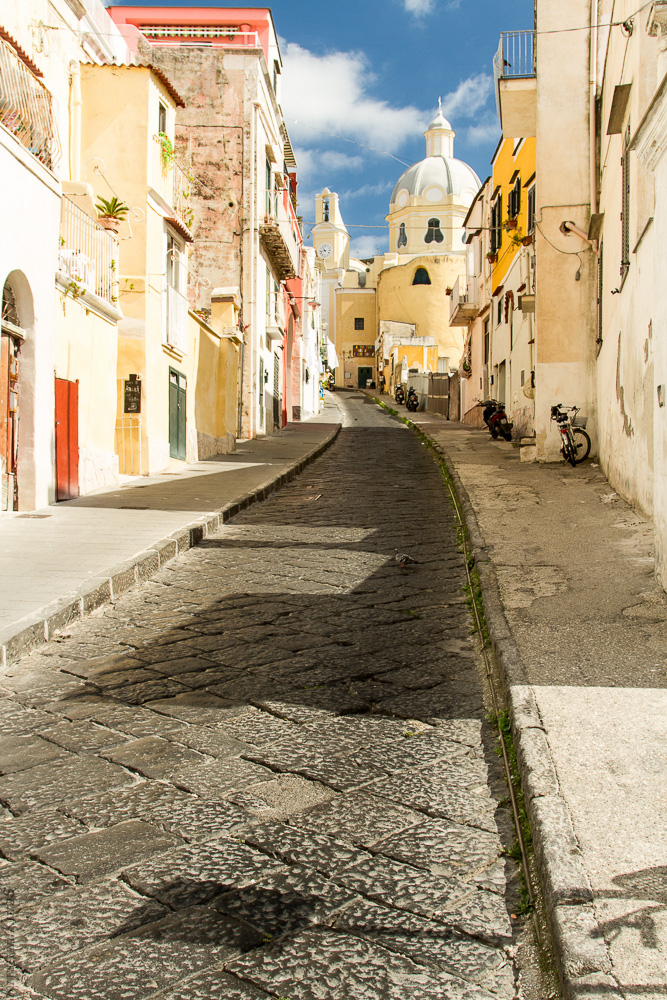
[177, 399]
[363, 375]
[67, 439]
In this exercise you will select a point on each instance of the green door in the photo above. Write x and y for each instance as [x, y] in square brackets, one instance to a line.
[177, 387]
[363, 374]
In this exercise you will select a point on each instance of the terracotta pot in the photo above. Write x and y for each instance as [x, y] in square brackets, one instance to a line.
[109, 222]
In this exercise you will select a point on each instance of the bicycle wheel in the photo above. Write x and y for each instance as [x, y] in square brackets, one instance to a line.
[569, 450]
[582, 444]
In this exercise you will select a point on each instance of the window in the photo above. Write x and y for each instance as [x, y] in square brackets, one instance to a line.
[625, 210]
[270, 208]
[358, 322]
[530, 209]
[514, 200]
[175, 267]
[402, 236]
[421, 277]
[499, 311]
[487, 342]
[433, 233]
[496, 224]
[161, 118]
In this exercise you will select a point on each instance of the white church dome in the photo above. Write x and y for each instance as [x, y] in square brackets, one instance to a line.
[436, 177]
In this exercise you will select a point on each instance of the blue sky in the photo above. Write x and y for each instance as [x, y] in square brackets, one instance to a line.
[371, 71]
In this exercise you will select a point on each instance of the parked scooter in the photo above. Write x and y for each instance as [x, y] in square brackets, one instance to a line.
[496, 420]
[399, 394]
[330, 382]
[412, 402]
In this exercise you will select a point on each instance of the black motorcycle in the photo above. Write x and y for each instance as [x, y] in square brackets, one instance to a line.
[412, 402]
[496, 420]
[399, 394]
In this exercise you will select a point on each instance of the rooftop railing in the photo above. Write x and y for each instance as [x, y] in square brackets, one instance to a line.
[88, 254]
[25, 108]
[516, 55]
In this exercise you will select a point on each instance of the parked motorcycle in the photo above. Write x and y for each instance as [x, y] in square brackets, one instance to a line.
[399, 394]
[412, 402]
[496, 420]
[330, 382]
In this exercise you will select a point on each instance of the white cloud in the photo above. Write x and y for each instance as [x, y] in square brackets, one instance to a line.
[368, 246]
[483, 132]
[418, 7]
[366, 190]
[469, 97]
[329, 93]
[325, 160]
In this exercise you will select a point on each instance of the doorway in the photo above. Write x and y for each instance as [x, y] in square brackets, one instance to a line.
[363, 375]
[177, 400]
[67, 439]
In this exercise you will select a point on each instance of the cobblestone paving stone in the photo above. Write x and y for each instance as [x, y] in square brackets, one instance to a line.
[267, 772]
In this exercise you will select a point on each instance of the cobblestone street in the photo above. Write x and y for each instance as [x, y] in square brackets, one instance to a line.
[267, 772]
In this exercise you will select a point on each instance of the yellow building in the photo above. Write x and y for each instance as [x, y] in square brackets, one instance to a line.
[511, 361]
[176, 380]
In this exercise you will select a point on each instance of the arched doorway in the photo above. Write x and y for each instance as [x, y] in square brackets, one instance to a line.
[17, 403]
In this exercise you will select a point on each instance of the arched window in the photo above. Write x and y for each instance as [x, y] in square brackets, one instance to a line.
[434, 232]
[402, 236]
[421, 277]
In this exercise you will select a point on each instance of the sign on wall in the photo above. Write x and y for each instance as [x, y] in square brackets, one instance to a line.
[132, 395]
[363, 351]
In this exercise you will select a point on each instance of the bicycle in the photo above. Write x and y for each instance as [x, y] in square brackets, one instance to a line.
[575, 444]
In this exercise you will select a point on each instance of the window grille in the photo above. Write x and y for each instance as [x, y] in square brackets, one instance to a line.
[358, 322]
[25, 108]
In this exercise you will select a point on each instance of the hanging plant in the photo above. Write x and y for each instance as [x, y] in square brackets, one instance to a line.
[510, 223]
[492, 256]
[167, 148]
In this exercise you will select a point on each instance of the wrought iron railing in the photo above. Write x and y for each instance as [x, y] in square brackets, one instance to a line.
[25, 108]
[88, 254]
[172, 183]
[177, 320]
[516, 55]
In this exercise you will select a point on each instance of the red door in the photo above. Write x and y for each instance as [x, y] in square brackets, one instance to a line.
[67, 439]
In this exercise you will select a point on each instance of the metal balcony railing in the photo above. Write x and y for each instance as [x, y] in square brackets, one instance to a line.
[25, 108]
[515, 57]
[464, 301]
[177, 320]
[88, 254]
[172, 183]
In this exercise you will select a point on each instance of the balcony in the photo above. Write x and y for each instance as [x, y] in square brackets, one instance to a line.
[87, 256]
[463, 302]
[25, 107]
[281, 236]
[514, 71]
[173, 186]
[177, 320]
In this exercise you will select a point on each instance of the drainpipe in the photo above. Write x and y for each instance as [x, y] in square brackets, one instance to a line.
[593, 115]
[75, 121]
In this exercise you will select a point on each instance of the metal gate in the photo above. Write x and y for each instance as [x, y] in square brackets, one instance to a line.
[276, 391]
[177, 394]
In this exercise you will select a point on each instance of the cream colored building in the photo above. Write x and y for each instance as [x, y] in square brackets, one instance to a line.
[594, 99]
[402, 293]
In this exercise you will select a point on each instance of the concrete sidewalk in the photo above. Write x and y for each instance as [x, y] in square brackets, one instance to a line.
[63, 561]
[580, 630]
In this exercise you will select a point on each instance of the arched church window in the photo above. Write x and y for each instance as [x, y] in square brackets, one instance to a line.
[402, 236]
[421, 277]
[434, 232]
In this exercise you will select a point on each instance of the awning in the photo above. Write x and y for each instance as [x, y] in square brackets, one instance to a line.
[332, 357]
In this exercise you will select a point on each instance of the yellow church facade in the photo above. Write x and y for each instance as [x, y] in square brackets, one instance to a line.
[389, 315]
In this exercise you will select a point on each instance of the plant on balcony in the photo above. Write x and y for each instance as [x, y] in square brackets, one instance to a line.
[492, 256]
[527, 240]
[167, 150]
[448, 290]
[111, 212]
[510, 223]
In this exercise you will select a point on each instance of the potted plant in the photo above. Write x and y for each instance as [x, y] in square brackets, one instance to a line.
[492, 256]
[167, 146]
[448, 290]
[111, 213]
[527, 240]
[510, 223]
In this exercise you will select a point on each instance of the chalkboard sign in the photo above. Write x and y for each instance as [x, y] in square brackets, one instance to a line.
[132, 395]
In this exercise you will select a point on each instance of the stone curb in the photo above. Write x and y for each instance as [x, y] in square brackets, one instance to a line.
[580, 949]
[20, 637]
